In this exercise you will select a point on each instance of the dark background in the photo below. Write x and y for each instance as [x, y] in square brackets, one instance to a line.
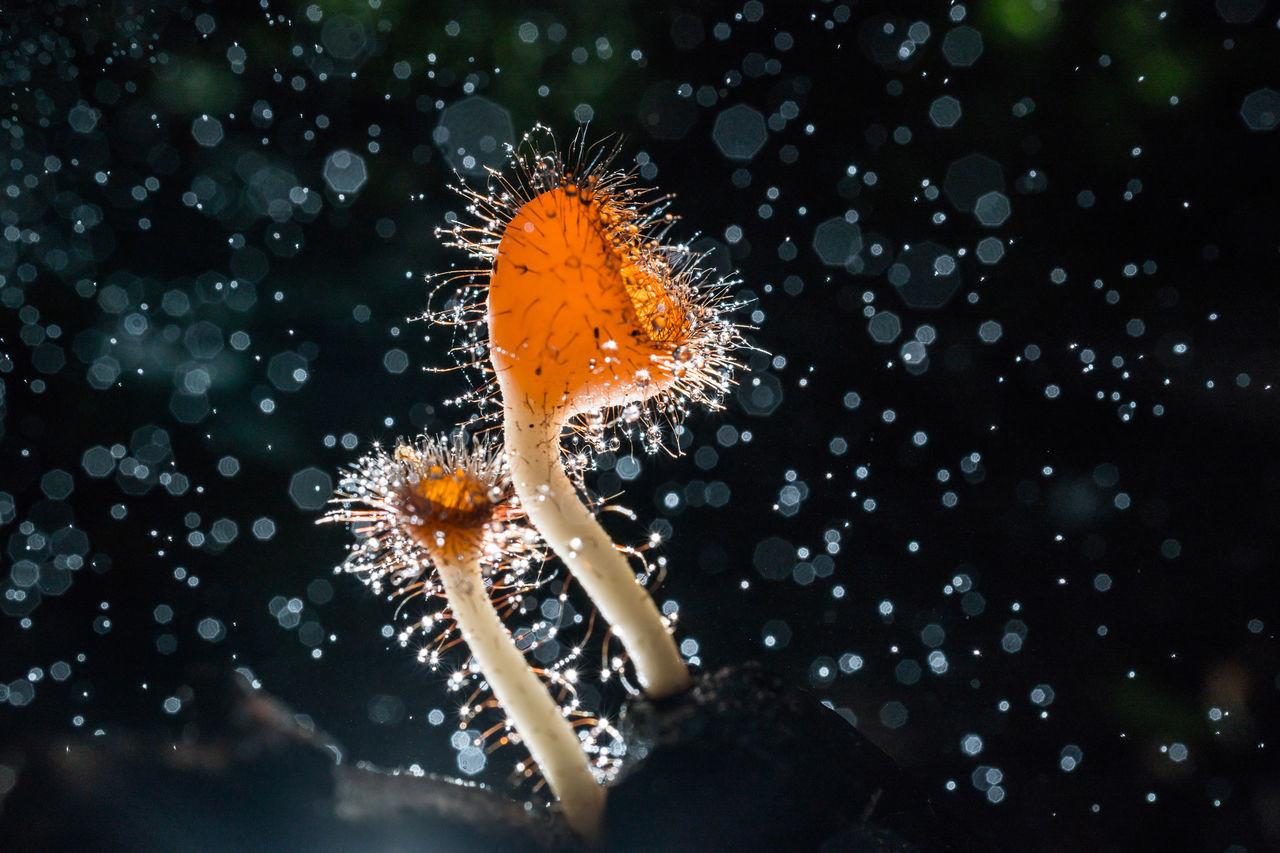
[1100, 590]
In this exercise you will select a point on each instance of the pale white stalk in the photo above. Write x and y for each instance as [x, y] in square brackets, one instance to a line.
[542, 727]
[551, 503]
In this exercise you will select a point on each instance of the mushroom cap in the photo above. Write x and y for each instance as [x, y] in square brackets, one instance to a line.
[580, 316]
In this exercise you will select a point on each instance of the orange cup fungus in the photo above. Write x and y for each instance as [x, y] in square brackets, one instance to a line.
[437, 518]
[593, 320]
[576, 321]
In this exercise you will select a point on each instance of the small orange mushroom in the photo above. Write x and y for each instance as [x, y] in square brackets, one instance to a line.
[436, 508]
[592, 316]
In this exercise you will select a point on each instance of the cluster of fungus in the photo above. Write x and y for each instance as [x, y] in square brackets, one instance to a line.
[584, 321]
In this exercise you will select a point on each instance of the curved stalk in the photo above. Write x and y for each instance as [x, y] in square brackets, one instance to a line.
[551, 503]
[537, 718]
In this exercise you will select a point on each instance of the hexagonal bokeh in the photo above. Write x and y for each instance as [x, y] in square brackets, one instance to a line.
[203, 340]
[972, 176]
[992, 209]
[884, 327]
[926, 275]
[310, 488]
[1261, 109]
[836, 241]
[663, 113]
[962, 46]
[913, 352]
[344, 37]
[287, 371]
[944, 111]
[990, 250]
[345, 172]
[740, 132]
[473, 134]
[207, 131]
[760, 393]
[395, 360]
[98, 462]
[57, 484]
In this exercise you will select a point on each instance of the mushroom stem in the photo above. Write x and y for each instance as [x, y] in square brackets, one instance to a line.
[551, 503]
[537, 718]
